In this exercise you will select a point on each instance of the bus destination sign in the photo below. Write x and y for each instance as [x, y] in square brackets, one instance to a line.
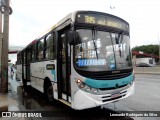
[102, 20]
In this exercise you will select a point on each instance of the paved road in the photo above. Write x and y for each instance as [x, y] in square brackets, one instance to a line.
[147, 94]
[146, 98]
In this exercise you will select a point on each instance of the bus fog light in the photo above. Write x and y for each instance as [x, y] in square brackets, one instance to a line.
[94, 90]
[81, 85]
[88, 89]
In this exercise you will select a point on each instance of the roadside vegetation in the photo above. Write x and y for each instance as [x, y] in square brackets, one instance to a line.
[150, 49]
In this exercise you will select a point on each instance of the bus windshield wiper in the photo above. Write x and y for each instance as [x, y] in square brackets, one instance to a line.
[94, 37]
[118, 41]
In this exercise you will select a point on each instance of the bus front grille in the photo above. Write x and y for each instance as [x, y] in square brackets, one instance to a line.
[112, 99]
[111, 76]
[109, 97]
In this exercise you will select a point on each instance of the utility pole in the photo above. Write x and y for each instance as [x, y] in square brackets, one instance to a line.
[0, 44]
[4, 47]
[159, 49]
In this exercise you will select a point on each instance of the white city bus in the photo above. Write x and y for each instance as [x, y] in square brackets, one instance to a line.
[67, 64]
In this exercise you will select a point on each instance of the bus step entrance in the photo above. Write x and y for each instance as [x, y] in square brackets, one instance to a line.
[65, 102]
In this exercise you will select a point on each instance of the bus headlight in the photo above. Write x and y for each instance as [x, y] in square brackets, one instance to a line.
[80, 83]
[85, 87]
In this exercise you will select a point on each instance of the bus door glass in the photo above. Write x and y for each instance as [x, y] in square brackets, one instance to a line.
[24, 68]
[65, 68]
[24, 64]
[28, 58]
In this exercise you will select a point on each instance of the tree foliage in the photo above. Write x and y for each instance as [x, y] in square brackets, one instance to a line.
[150, 49]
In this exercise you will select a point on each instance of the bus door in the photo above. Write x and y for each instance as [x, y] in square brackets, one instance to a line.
[28, 58]
[64, 68]
[24, 68]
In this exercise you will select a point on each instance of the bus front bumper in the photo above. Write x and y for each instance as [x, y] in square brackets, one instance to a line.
[84, 100]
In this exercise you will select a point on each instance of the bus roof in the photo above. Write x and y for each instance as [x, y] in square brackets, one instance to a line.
[72, 17]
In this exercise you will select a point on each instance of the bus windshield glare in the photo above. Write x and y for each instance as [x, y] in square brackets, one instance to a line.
[102, 51]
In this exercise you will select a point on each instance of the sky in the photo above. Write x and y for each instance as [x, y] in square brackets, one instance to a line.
[30, 18]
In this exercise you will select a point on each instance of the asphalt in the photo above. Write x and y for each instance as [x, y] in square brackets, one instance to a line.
[12, 102]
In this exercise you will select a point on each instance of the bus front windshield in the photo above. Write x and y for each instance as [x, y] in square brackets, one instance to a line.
[102, 51]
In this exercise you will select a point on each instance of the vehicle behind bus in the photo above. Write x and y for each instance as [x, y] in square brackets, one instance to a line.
[145, 62]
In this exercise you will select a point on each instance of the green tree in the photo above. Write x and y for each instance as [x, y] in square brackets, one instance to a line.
[150, 49]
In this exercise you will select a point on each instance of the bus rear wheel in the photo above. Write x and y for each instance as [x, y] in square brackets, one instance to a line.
[49, 92]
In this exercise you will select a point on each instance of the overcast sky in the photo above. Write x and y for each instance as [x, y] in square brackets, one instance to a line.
[30, 18]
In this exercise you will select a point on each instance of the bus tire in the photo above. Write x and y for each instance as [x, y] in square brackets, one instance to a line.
[49, 92]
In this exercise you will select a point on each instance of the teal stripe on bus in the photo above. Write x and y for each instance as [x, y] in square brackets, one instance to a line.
[53, 73]
[108, 83]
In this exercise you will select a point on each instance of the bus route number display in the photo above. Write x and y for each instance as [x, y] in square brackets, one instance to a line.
[102, 20]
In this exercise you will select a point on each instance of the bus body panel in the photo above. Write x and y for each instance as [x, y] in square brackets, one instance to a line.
[50, 73]
[50, 70]
[37, 75]
[40, 71]
[109, 83]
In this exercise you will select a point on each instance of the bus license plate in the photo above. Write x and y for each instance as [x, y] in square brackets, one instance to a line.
[115, 95]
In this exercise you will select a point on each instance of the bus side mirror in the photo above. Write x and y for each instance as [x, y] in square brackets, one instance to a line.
[117, 40]
[73, 38]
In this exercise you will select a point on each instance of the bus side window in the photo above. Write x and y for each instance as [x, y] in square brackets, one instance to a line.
[49, 47]
[33, 50]
[40, 47]
[18, 60]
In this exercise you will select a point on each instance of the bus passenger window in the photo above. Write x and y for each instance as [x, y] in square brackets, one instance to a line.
[40, 55]
[49, 48]
[33, 49]
[40, 47]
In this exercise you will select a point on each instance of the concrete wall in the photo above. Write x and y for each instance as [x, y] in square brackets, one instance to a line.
[154, 70]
